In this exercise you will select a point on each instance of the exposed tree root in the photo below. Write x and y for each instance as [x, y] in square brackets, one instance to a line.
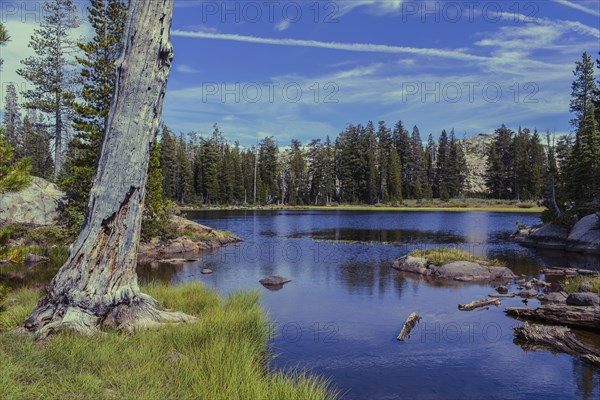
[143, 312]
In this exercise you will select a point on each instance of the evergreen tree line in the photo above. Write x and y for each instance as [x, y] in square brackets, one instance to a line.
[363, 165]
[59, 129]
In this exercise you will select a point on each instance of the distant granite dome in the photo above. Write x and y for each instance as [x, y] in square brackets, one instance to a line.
[476, 149]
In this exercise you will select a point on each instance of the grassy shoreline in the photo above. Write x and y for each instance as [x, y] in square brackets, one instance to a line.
[224, 355]
[511, 209]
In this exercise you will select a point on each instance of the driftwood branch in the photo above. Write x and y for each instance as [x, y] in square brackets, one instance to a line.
[557, 338]
[586, 317]
[502, 295]
[410, 323]
[478, 303]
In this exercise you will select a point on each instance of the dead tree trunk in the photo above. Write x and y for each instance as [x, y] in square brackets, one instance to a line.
[558, 338]
[98, 283]
[478, 303]
[585, 317]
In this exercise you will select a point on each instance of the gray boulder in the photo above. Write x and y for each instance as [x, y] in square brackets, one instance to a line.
[548, 236]
[585, 287]
[585, 236]
[456, 270]
[415, 265]
[38, 204]
[583, 299]
[528, 294]
[554, 297]
[274, 280]
[470, 271]
[35, 259]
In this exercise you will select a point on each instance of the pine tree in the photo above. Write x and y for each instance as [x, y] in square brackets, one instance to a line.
[394, 178]
[12, 119]
[430, 155]
[268, 170]
[50, 70]
[499, 174]
[457, 167]
[168, 163]
[402, 142]
[584, 163]
[416, 166]
[36, 145]
[13, 176]
[184, 173]
[155, 220]
[442, 167]
[209, 153]
[4, 37]
[372, 178]
[296, 179]
[107, 18]
[537, 166]
[384, 137]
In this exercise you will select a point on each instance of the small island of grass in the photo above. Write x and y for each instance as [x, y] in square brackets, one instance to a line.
[448, 263]
[223, 355]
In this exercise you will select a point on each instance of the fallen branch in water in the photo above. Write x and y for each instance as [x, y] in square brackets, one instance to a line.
[478, 303]
[558, 338]
[410, 323]
[502, 295]
[586, 317]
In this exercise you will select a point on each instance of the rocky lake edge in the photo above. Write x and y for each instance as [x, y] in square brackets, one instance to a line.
[571, 302]
[583, 237]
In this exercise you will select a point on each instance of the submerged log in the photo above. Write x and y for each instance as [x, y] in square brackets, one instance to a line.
[558, 338]
[558, 271]
[502, 295]
[586, 317]
[409, 325]
[478, 303]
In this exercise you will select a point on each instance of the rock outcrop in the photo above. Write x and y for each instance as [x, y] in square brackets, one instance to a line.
[191, 238]
[584, 237]
[464, 271]
[39, 204]
[476, 149]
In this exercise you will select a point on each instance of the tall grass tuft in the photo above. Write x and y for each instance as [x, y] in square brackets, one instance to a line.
[572, 284]
[223, 355]
[444, 255]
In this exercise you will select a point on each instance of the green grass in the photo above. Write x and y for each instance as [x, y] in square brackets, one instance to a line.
[572, 284]
[409, 205]
[221, 356]
[444, 255]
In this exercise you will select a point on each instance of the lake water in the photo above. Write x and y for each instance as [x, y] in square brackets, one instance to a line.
[341, 313]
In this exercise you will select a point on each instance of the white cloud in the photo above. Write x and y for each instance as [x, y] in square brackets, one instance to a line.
[377, 7]
[360, 47]
[186, 69]
[282, 25]
[557, 24]
[579, 7]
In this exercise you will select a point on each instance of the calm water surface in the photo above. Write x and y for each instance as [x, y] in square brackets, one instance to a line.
[344, 307]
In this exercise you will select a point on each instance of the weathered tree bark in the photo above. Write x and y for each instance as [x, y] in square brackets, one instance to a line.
[478, 303]
[98, 283]
[558, 338]
[409, 325]
[586, 317]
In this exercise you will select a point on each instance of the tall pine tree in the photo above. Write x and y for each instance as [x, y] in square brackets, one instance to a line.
[50, 71]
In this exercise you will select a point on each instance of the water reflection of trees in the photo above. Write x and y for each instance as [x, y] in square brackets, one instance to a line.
[392, 236]
[370, 278]
[157, 272]
[587, 379]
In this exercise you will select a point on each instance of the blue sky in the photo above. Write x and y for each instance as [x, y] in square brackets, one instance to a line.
[305, 69]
